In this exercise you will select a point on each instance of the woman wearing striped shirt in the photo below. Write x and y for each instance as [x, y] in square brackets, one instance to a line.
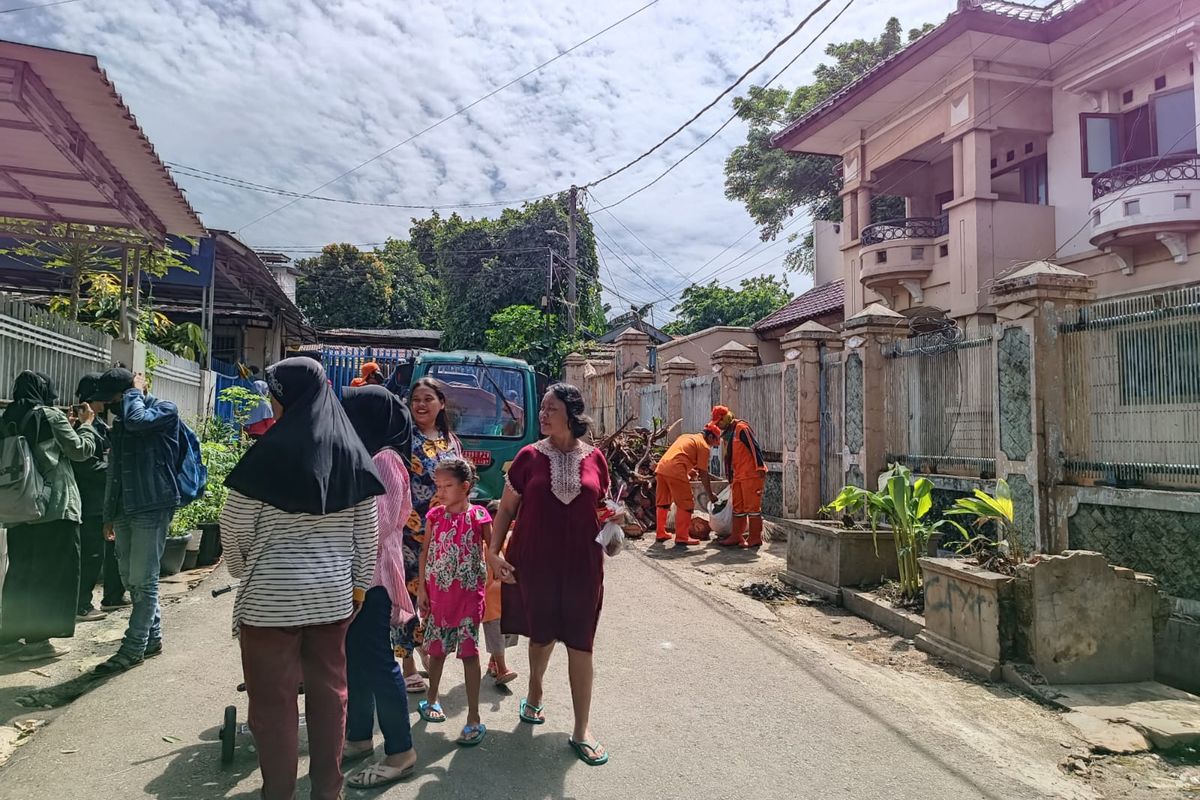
[300, 528]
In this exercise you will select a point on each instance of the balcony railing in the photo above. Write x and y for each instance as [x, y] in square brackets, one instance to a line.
[1159, 169]
[906, 228]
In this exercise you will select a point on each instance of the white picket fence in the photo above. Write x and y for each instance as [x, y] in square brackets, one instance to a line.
[177, 379]
[34, 339]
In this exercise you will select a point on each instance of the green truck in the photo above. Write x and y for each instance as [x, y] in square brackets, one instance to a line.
[493, 408]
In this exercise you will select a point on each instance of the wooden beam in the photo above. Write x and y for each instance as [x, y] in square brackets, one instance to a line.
[16, 169]
[41, 198]
[18, 125]
[23, 193]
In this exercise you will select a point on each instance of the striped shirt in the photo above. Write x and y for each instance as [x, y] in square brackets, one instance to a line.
[297, 569]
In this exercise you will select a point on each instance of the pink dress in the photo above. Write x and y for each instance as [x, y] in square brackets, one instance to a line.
[455, 580]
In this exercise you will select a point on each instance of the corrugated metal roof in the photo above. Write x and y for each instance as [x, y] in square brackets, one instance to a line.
[816, 302]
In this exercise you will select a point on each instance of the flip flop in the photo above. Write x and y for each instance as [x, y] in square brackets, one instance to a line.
[537, 718]
[472, 735]
[506, 678]
[415, 684]
[581, 749]
[380, 774]
[427, 710]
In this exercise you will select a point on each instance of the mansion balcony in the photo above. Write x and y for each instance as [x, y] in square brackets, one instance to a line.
[901, 253]
[1147, 200]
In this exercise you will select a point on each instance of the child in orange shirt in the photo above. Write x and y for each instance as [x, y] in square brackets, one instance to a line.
[494, 639]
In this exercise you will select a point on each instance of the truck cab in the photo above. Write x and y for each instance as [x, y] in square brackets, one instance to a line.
[492, 403]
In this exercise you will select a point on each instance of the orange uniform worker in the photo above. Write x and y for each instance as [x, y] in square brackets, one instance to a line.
[369, 374]
[688, 454]
[747, 472]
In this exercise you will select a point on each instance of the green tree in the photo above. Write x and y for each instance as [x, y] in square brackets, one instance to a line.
[345, 288]
[525, 332]
[417, 300]
[774, 184]
[488, 265]
[703, 307]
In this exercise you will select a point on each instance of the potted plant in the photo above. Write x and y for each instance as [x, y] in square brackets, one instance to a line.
[969, 618]
[220, 449]
[898, 510]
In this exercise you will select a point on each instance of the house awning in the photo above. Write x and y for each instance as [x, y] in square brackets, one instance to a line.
[71, 152]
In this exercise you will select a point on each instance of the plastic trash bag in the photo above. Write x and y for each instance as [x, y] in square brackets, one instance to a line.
[611, 535]
[720, 517]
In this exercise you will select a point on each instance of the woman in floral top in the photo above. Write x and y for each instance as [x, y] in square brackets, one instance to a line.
[432, 443]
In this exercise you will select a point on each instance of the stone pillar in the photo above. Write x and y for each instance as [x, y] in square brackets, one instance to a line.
[802, 394]
[864, 207]
[864, 336]
[1031, 395]
[674, 373]
[977, 163]
[849, 217]
[632, 347]
[730, 360]
[131, 353]
[573, 368]
[956, 148]
[631, 393]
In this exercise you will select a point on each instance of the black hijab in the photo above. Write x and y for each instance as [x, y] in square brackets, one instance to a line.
[30, 390]
[380, 418]
[311, 460]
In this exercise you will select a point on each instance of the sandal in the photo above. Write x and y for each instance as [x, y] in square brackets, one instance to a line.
[582, 749]
[431, 712]
[415, 684]
[472, 735]
[380, 774]
[506, 678]
[117, 664]
[534, 718]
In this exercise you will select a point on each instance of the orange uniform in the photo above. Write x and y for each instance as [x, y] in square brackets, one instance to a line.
[747, 471]
[673, 484]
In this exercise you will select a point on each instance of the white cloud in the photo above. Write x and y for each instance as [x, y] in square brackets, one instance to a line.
[290, 93]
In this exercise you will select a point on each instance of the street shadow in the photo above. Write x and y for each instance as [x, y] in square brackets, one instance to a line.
[196, 771]
[62, 693]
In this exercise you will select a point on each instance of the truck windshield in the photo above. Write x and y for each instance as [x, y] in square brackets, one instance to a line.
[485, 402]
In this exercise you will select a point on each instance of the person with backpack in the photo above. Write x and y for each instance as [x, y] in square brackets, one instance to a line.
[142, 493]
[41, 510]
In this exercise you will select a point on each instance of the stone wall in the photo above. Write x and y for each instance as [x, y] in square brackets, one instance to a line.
[1163, 543]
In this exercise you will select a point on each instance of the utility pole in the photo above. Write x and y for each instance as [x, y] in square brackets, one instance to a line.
[572, 261]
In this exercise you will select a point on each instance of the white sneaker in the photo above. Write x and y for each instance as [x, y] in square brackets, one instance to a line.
[43, 651]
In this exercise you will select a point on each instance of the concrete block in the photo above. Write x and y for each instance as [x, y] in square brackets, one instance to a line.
[1086, 623]
[965, 615]
[1177, 654]
[1107, 737]
[883, 614]
[828, 554]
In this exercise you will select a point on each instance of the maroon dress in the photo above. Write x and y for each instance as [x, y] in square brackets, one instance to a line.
[558, 562]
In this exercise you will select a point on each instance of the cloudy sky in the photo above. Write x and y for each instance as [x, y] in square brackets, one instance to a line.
[291, 93]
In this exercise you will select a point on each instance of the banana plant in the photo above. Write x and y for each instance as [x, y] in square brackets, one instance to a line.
[1005, 551]
[903, 504]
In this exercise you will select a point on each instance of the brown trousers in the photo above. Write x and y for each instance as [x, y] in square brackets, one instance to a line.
[275, 661]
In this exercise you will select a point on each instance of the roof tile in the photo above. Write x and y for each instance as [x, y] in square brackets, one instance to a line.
[818, 301]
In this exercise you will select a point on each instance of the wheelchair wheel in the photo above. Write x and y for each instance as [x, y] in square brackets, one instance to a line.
[228, 734]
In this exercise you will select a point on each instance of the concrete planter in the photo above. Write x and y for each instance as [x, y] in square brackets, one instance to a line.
[823, 557]
[968, 615]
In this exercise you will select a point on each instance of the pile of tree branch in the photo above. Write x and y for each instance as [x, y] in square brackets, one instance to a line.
[632, 455]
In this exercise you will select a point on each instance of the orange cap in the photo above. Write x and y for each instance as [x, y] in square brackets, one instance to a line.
[721, 414]
[713, 429]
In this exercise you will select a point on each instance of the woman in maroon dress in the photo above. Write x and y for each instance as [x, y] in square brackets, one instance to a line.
[554, 572]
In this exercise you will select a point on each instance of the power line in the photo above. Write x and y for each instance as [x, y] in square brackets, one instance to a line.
[239, 183]
[39, 5]
[459, 111]
[717, 99]
[732, 117]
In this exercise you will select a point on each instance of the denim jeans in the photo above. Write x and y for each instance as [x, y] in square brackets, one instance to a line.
[141, 539]
[373, 678]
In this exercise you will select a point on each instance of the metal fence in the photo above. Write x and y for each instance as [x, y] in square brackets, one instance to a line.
[760, 402]
[1132, 375]
[939, 396]
[652, 404]
[699, 397]
[178, 380]
[344, 364]
[33, 338]
[833, 415]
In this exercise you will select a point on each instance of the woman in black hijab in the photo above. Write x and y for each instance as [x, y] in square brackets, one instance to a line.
[41, 590]
[385, 621]
[300, 528]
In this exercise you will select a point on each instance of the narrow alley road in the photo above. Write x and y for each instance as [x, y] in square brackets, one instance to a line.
[693, 699]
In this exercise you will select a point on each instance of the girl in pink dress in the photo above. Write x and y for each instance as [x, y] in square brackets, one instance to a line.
[451, 593]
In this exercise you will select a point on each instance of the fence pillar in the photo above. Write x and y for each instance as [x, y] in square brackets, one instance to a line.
[730, 361]
[674, 373]
[802, 396]
[631, 393]
[573, 370]
[131, 353]
[864, 336]
[1031, 395]
[632, 350]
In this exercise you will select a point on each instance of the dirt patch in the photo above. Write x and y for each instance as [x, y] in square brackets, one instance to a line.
[890, 592]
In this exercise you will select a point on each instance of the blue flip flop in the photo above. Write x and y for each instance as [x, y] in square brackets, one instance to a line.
[472, 735]
[426, 709]
[591, 759]
[530, 718]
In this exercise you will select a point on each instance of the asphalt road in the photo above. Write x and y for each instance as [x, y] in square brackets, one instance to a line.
[693, 700]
